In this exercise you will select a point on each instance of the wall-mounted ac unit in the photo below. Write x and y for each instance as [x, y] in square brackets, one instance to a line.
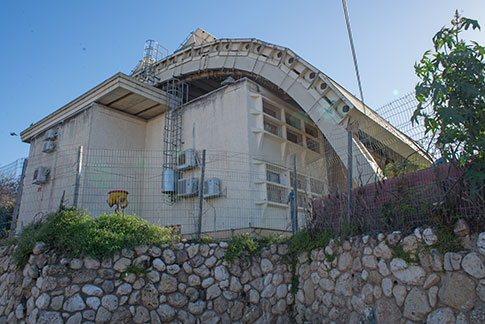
[212, 187]
[41, 175]
[50, 135]
[188, 187]
[49, 146]
[187, 160]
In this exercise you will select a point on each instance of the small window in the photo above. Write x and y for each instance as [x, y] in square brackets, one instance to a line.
[313, 145]
[271, 110]
[272, 176]
[310, 130]
[272, 128]
[292, 120]
[301, 181]
[277, 194]
[293, 137]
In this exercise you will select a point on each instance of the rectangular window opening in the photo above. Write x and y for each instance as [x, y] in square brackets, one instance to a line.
[271, 110]
[293, 137]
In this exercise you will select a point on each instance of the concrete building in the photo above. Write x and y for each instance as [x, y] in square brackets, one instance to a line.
[252, 105]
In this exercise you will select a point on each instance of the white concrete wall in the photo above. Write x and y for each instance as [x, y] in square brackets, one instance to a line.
[122, 152]
[113, 160]
[42, 199]
[219, 121]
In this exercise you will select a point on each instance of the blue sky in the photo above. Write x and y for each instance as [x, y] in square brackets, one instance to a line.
[53, 51]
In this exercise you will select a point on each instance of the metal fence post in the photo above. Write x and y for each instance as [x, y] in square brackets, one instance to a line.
[78, 176]
[295, 190]
[349, 175]
[201, 194]
[13, 224]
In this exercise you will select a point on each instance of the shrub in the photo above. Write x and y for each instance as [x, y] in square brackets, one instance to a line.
[77, 234]
[306, 241]
[245, 245]
[453, 82]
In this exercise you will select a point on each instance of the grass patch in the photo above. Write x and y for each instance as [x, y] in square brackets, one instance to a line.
[6, 241]
[305, 241]
[207, 239]
[398, 252]
[138, 270]
[245, 245]
[76, 233]
[447, 240]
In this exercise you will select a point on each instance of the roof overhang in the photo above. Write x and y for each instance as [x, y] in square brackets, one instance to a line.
[120, 92]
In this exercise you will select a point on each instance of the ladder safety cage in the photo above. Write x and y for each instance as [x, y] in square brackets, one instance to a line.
[177, 96]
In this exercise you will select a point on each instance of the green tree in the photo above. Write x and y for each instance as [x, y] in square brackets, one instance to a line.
[8, 194]
[453, 83]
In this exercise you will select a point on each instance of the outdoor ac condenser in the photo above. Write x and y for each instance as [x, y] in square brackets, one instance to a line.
[187, 160]
[188, 187]
[50, 135]
[212, 187]
[49, 146]
[41, 175]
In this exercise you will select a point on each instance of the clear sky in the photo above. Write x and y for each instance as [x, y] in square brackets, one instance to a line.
[54, 51]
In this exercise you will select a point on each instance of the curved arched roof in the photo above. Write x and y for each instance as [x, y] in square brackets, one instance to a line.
[328, 104]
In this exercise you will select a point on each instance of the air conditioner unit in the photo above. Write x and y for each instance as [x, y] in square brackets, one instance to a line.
[187, 160]
[212, 187]
[49, 146]
[188, 187]
[50, 135]
[41, 175]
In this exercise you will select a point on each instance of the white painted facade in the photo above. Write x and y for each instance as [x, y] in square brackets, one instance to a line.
[229, 120]
[111, 138]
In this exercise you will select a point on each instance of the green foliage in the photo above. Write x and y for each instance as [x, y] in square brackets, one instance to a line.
[397, 169]
[75, 233]
[453, 81]
[8, 195]
[206, 239]
[398, 252]
[245, 245]
[138, 270]
[404, 202]
[305, 241]
[447, 240]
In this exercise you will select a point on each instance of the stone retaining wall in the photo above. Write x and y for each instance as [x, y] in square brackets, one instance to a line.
[357, 281]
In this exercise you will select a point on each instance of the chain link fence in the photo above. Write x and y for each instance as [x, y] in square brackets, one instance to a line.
[9, 184]
[413, 190]
[396, 182]
[242, 192]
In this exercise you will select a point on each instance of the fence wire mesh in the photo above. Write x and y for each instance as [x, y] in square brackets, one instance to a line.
[242, 192]
[414, 187]
[9, 185]
[395, 185]
[12, 170]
